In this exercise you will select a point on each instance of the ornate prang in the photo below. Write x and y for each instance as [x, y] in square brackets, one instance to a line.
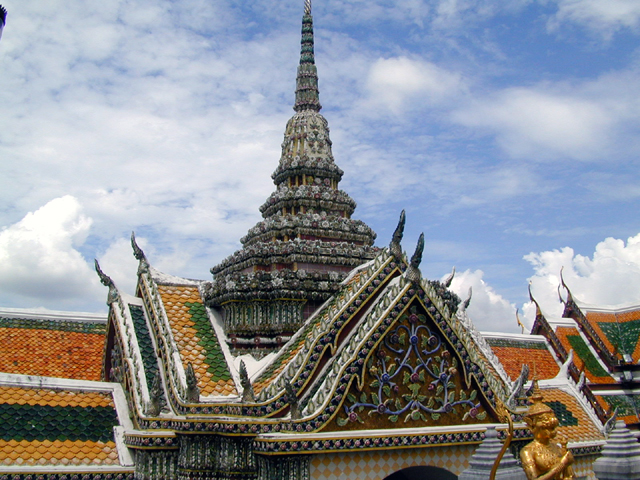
[105, 279]
[155, 394]
[193, 392]
[293, 401]
[296, 257]
[413, 272]
[247, 388]
[395, 246]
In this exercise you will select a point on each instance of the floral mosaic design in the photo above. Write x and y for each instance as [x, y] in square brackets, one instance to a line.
[412, 377]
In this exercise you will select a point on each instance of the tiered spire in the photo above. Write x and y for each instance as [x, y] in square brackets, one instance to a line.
[295, 258]
[307, 95]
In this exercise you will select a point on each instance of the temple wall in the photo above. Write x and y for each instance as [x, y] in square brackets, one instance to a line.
[376, 465]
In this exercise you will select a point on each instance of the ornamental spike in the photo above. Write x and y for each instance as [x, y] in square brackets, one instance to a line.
[413, 272]
[307, 97]
[395, 247]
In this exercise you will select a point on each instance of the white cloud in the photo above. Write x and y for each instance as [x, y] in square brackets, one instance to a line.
[39, 257]
[535, 123]
[488, 310]
[609, 278]
[400, 82]
[604, 16]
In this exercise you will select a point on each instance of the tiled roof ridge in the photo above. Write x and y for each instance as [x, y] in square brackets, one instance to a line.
[53, 315]
[67, 325]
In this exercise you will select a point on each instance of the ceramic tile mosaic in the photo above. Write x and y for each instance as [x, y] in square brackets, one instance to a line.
[144, 342]
[55, 427]
[575, 424]
[619, 331]
[52, 348]
[513, 353]
[376, 465]
[196, 339]
[583, 357]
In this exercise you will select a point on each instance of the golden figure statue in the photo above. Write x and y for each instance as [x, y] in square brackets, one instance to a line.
[544, 458]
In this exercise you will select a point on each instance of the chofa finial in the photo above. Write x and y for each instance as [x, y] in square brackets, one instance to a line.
[106, 280]
[413, 272]
[395, 246]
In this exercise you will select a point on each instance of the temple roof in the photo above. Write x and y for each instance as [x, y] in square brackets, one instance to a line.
[64, 425]
[517, 350]
[54, 344]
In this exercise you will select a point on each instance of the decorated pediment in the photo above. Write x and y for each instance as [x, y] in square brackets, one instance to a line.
[413, 377]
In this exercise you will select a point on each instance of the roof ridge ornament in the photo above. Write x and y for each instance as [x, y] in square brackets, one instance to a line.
[413, 272]
[143, 267]
[395, 246]
[106, 280]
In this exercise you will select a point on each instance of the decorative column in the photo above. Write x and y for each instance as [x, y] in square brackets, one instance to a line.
[283, 467]
[620, 458]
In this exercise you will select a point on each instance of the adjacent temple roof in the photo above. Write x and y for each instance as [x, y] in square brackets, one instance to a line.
[52, 344]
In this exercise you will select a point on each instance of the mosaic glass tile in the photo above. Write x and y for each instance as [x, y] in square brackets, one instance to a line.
[196, 339]
[144, 342]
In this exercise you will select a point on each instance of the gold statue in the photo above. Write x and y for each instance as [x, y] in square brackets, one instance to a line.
[544, 458]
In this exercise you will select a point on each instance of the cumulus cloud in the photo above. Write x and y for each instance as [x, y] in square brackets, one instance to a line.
[608, 278]
[39, 257]
[399, 82]
[488, 310]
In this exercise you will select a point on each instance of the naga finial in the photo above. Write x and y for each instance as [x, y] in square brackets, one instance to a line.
[413, 272]
[193, 392]
[449, 279]
[395, 245]
[139, 255]
[106, 280]
[247, 388]
[293, 401]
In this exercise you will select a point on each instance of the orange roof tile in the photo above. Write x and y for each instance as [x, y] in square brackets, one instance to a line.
[51, 353]
[513, 353]
[198, 346]
[575, 423]
[56, 427]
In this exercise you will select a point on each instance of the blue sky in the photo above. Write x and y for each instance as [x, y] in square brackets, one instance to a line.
[508, 130]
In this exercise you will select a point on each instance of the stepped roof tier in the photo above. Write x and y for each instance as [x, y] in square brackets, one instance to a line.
[307, 242]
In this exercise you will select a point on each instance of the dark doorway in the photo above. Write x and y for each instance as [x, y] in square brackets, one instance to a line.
[422, 473]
